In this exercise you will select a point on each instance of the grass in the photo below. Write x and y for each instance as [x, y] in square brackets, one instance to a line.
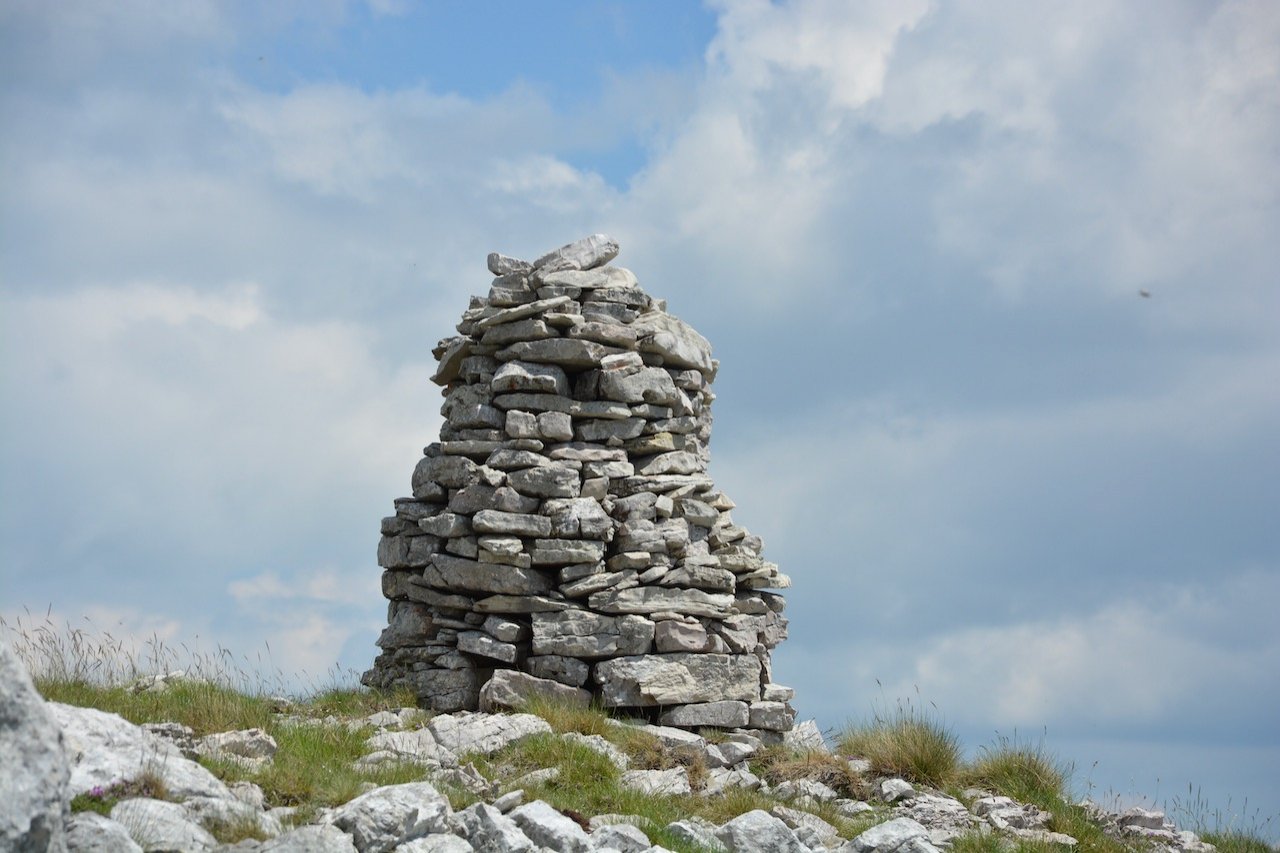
[313, 767]
[1026, 772]
[906, 742]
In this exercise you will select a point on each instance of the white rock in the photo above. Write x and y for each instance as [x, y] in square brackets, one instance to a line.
[805, 735]
[678, 678]
[892, 790]
[483, 733]
[90, 832]
[598, 744]
[33, 783]
[315, 838]
[673, 781]
[509, 689]
[759, 832]
[546, 827]
[160, 825]
[392, 815]
[696, 830]
[437, 844]
[588, 253]
[900, 834]
[418, 745]
[795, 789]
[104, 748]
[619, 837]
[488, 829]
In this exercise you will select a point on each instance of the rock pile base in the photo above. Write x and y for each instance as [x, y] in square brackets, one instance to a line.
[563, 537]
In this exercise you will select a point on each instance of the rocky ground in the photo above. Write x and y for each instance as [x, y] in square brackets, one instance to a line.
[102, 750]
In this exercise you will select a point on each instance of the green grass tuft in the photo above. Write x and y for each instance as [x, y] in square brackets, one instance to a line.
[1025, 772]
[907, 743]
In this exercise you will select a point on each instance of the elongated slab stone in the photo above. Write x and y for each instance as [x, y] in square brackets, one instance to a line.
[678, 679]
[644, 600]
[459, 575]
[582, 634]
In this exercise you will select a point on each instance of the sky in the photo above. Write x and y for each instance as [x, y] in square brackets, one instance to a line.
[1010, 489]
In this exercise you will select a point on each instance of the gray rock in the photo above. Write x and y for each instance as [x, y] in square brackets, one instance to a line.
[211, 812]
[457, 574]
[900, 834]
[893, 790]
[480, 643]
[674, 679]
[160, 825]
[483, 733]
[509, 688]
[90, 832]
[596, 743]
[720, 778]
[726, 715]
[546, 827]
[391, 815]
[251, 748]
[673, 782]
[806, 735]
[314, 838]
[620, 837]
[588, 253]
[812, 830]
[104, 748]
[583, 634]
[516, 524]
[772, 716]
[33, 785]
[565, 670]
[805, 789]
[697, 831]
[521, 376]
[675, 341]
[520, 312]
[565, 352]
[437, 844]
[488, 829]
[646, 600]
[418, 745]
[759, 832]
[675, 636]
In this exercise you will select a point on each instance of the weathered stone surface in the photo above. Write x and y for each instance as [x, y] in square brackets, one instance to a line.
[486, 828]
[314, 838]
[480, 643]
[90, 832]
[674, 340]
[389, 816]
[645, 600]
[104, 748]
[483, 733]
[900, 834]
[459, 575]
[530, 378]
[759, 832]
[509, 688]
[547, 828]
[726, 715]
[565, 670]
[160, 825]
[674, 679]
[582, 634]
[518, 524]
[585, 254]
[33, 782]
[671, 782]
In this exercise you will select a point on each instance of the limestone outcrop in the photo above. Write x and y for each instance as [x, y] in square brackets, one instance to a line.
[564, 525]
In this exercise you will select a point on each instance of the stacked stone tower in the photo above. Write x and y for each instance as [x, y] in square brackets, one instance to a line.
[563, 536]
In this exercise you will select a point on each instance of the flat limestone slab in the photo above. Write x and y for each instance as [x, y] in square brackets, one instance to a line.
[678, 679]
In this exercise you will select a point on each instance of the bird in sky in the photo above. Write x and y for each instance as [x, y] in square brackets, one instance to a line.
[1145, 294]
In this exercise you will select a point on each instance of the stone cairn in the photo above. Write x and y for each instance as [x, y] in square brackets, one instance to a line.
[563, 537]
